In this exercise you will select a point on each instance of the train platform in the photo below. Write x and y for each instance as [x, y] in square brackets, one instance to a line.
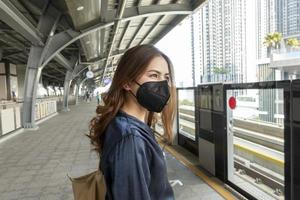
[34, 164]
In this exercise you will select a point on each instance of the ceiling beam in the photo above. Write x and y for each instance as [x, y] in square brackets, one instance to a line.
[54, 67]
[23, 9]
[7, 39]
[144, 11]
[101, 59]
[118, 18]
[33, 7]
[15, 19]
[51, 76]
[129, 14]
[197, 3]
[136, 33]
[103, 13]
[158, 22]
[166, 30]
[124, 33]
[64, 62]
[6, 55]
[153, 10]
[10, 15]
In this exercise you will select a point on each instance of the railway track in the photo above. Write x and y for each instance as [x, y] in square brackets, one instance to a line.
[260, 177]
[258, 152]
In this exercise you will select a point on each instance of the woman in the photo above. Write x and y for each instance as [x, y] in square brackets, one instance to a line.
[131, 160]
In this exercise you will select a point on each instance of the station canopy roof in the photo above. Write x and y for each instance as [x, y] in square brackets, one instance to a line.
[93, 33]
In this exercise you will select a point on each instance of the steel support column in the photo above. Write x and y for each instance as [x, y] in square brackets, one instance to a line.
[8, 85]
[78, 84]
[1, 54]
[34, 71]
[67, 83]
[76, 93]
[32, 76]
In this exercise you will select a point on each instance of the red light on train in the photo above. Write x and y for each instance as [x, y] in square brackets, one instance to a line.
[232, 102]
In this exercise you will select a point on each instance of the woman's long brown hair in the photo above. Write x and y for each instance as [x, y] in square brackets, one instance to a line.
[131, 66]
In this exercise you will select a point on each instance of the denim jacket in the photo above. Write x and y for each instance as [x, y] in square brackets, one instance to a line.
[132, 162]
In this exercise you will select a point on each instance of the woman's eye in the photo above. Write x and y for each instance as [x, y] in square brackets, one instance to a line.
[154, 75]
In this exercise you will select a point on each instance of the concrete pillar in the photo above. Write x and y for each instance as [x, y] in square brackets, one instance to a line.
[3, 90]
[32, 76]
[76, 93]
[21, 71]
[1, 54]
[8, 86]
[67, 83]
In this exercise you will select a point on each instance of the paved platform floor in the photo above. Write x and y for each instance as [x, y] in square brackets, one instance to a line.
[34, 164]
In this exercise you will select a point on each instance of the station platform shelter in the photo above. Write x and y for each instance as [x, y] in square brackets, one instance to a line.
[232, 141]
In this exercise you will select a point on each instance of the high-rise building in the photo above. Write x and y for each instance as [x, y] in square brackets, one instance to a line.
[276, 16]
[223, 40]
[273, 16]
[288, 18]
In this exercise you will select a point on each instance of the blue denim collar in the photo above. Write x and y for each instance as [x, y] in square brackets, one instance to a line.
[135, 120]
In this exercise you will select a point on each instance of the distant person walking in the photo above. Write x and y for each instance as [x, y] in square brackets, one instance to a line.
[14, 97]
[98, 98]
[87, 96]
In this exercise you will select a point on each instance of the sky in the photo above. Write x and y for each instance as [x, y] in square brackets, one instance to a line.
[177, 46]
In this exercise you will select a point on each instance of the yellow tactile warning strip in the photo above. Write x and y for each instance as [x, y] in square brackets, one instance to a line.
[259, 154]
[212, 183]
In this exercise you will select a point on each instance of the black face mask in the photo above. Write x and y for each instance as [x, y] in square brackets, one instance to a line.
[153, 95]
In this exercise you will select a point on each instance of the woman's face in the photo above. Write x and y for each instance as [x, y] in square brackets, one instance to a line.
[157, 70]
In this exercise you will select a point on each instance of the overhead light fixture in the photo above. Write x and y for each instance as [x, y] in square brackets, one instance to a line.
[79, 8]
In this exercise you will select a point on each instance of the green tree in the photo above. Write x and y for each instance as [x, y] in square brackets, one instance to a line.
[277, 37]
[220, 70]
[268, 42]
[216, 70]
[272, 40]
[293, 42]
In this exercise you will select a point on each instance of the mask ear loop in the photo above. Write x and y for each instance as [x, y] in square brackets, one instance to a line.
[130, 91]
[137, 82]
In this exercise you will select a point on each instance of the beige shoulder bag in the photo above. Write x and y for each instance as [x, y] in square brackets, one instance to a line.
[89, 187]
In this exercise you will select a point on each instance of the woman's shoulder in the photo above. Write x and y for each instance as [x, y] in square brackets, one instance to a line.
[118, 129]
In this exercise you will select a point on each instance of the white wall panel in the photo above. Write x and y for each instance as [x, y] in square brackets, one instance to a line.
[17, 117]
[21, 70]
[14, 85]
[7, 120]
[3, 87]
[2, 68]
[13, 69]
